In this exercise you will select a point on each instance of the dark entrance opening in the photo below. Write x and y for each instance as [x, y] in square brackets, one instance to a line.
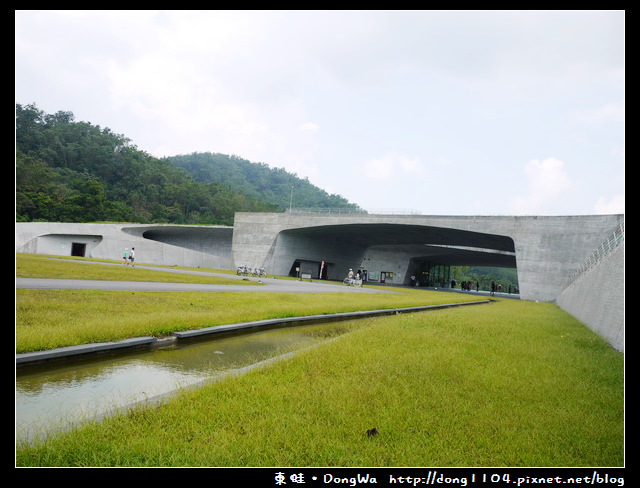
[295, 269]
[306, 269]
[78, 249]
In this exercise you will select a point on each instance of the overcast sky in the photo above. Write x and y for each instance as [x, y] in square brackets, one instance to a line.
[433, 112]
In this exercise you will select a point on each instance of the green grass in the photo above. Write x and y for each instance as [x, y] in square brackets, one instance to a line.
[47, 319]
[511, 383]
[58, 267]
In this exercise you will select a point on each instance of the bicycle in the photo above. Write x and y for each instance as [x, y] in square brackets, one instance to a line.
[352, 282]
[243, 270]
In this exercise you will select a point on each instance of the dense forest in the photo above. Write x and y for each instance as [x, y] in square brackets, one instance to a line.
[68, 171]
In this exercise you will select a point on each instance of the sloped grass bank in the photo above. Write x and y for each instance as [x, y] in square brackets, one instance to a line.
[507, 384]
[64, 267]
[46, 319]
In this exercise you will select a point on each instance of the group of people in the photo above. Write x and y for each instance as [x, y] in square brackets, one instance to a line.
[129, 257]
[357, 275]
[465, 285]
[497, 287]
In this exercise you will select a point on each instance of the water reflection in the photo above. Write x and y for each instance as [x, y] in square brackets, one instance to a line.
[57, 397]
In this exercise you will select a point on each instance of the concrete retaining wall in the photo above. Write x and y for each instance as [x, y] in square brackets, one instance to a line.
[596, 298]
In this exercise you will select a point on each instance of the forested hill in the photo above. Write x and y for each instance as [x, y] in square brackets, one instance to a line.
[258, 180]
[68, 171]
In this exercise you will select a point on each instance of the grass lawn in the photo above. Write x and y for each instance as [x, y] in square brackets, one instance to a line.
[511, 383]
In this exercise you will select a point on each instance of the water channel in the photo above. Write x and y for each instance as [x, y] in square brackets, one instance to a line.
[53, 397]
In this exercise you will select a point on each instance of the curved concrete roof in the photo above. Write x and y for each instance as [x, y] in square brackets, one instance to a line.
[436, 244]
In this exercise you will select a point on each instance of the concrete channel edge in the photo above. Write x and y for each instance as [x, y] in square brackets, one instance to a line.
[137, 343]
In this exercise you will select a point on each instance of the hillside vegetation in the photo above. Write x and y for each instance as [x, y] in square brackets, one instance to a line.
[68, 171]
[257, 180]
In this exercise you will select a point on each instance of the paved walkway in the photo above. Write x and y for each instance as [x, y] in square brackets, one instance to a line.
[257, 284]
[264, 285]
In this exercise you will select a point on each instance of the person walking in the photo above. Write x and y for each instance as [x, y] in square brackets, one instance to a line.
[131, 256]
[125, 257]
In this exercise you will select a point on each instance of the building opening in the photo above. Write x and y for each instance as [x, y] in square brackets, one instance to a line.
[78, 249]
[431, 274]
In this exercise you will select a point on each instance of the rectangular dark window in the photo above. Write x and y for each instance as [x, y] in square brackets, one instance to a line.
[78, 249]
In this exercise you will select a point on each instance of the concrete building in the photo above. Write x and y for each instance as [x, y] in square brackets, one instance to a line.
[170, 245]
[546, 251]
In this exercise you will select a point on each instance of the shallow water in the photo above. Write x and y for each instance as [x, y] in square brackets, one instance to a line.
[53, 398]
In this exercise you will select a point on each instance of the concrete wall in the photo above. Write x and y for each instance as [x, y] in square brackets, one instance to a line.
[169, 245]
[596, 298]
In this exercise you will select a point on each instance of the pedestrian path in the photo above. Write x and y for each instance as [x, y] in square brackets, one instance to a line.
[252, 284]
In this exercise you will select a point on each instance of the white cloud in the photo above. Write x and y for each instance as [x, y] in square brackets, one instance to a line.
[393, 166]
[614, 205]
[309, 127]
[610, 112]
[547, 182]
